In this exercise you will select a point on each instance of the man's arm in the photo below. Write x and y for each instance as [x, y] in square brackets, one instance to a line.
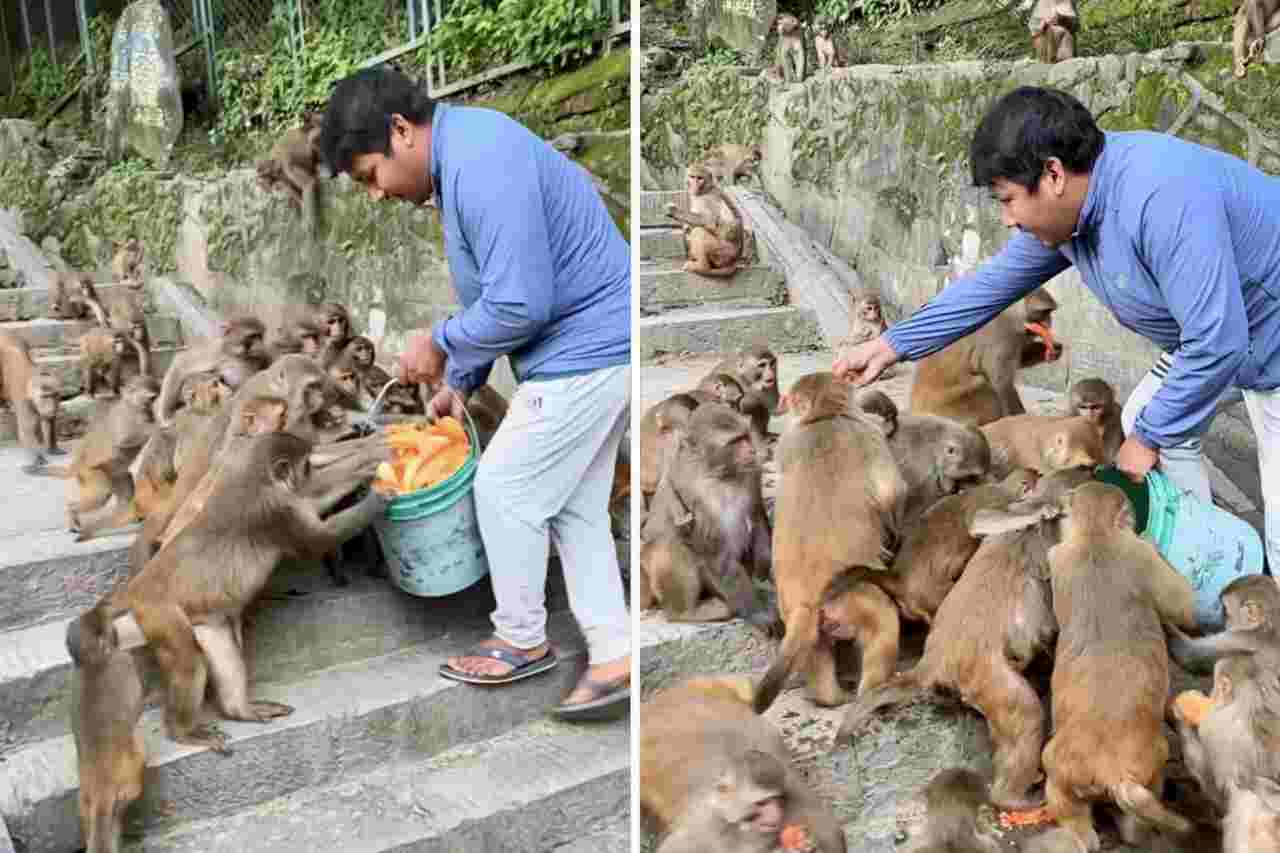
[501, 216]
[1186, 241]
[968, 304]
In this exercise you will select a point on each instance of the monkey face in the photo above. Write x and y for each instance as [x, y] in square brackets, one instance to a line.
[119, 343]
[870, 311]
[138, 331]
[697, 181]
[765, 370]
[140, 394]
[1091, 410]
[251, 347]
[310, 343]
[362, 352]
[765, 817]
[346, 380]
[335, 325]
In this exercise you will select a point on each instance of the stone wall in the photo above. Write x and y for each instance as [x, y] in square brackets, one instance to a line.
[872, 162]
[741, 24]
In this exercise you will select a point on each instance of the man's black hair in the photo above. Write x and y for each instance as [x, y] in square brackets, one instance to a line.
[1024, 129]
[358, 120]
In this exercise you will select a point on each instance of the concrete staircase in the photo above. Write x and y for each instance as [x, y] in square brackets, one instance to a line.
[380, 754]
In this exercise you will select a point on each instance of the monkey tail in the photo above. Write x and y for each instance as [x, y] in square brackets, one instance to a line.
[901, 689]
[1140, 802]
[799, 642]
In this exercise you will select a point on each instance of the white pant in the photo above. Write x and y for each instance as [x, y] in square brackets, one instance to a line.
[549, 470]
[1183, 464]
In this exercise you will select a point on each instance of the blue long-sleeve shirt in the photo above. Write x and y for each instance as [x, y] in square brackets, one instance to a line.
[542, 271]
[1182, 243]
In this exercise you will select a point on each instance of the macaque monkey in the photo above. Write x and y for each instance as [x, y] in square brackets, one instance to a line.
[1252, 607]
[301, 335]
[73, 297]
[972, 381]
[991, 625]
[106, 705]
[713, 226]
[293, 165]
[660, 430]
[719, 388]
[716, 777]
[729, 161]
[1253, 21]
[1111, 592]
[113, 357]
[35, 397]
[359, 376]
[868, 321]
[1043, 443]
[953, 798]
[1095, 399]
[335, 321]
[756, 370]
[236, 355]
[126, 262]
[1053, 24]
[938, 457]
[825, 46]
[838, 510]
[188, 599]
[790, 50]
[100, 464]
[706, 530]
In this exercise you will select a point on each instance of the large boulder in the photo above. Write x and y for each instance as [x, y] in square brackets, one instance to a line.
[144, 103]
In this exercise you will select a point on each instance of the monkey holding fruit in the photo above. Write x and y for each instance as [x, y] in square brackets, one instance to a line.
[713, 232]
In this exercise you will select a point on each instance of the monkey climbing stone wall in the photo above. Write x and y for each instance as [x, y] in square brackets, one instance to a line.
[144, 103]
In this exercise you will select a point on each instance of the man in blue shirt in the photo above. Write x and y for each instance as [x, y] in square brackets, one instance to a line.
[1180, 241]
[544, 277]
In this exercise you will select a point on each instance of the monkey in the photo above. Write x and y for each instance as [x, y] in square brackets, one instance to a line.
[126, 262]
[729, 161]
[335, 321]
[1251, 24]
[100, 464]
[936, 549]
[706, 530]
[127, 316]
[293, 165]
[236, 354]
[878, 406]
[487, 408]
[73, 297]
[1252, 607]
[825, 46]
[868, 321]
[790, 50]
[719, 388]
[660, 429]
[1253, 819]
[756, 369]
[952, 800]
[971, 381]
[715, 776]
[713, 226]
[839, 507]
[991, 625]
[188, 598]
[360, 377]
[1043, 443]
[113, 356]
[35, 397]
[1052, 25]
[299, 335]
[1095, 399]
[106, 705]
[1111, 591]
[938, 456]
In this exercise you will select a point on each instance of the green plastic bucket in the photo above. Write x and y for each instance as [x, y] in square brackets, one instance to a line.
[430, 537]
[1207, 545]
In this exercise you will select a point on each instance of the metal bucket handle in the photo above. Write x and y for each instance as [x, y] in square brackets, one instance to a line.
[376, 407]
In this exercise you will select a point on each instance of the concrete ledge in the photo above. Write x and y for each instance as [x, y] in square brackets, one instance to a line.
[658, 242]
[653, 206]
[27, 303]
[786, 329]
[66, 367]
[164, 331]
[664, 285]
[45, 575]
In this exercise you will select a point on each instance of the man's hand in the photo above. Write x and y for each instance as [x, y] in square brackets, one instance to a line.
[865, 362]
[422, 361]
[1135, 459]
[447, 402]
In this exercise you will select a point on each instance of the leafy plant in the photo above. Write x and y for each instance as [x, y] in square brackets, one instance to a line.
[475, 34]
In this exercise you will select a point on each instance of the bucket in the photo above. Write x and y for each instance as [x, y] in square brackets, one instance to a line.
[430, 537]
[1207, 545]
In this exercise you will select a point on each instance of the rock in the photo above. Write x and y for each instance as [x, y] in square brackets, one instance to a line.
[567, 143]
[144, 104]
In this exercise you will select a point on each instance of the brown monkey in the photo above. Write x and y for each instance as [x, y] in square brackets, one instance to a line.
[106, 704]
[188, 599]
[952, 800]
[100, 464]
[707, 530]
[487, 408]
[73, 297]
[938, 456]
[877, 406]
[868, 321]
[714, 776]
[1253, 21]
[335, 321]
[1111, 591]
[790, 51]
[756, 369]
[237, 354]
[936, 549]
[838, 510]
[1043, 443]
[293, 165]
[1253, 819]
[1095, 399]
[1252, 607]
[660, 429]
[972, 380]
[825, 46]
[300, 335]
[356, 371]
[713, 234]
[112, 357]
[719, 388]
[729, 161]
[126, 262]
[994, 622]
[156, 469]
[35, 397]
[1053, 24]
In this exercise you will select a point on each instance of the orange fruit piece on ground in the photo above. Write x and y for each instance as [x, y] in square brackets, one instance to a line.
[1194, 706]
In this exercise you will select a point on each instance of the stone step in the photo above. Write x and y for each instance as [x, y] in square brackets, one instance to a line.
[653, 206]
[658, 242]
[29, 303]
[348, 720]
[303, 623]
[664, 286]
[164, 330]
[542, 787]
[66, 366]
[786, 329]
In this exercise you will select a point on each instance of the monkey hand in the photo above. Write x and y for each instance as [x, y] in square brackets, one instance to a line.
[863, 363]
[1135, 459]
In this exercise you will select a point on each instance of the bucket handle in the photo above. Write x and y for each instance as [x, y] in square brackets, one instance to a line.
[471, 424]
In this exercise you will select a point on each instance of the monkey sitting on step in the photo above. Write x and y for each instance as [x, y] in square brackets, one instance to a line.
[126, 262]
[1053, 24]
[713, 233]
[35, 397]
[1253, 21]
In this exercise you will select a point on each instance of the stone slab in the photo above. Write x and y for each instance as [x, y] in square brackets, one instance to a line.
[29, 303]
[665, 286]
[538, 788]
[787, 329]
[164, 331]
[66, 367]
[653, 206]
[658, 243]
